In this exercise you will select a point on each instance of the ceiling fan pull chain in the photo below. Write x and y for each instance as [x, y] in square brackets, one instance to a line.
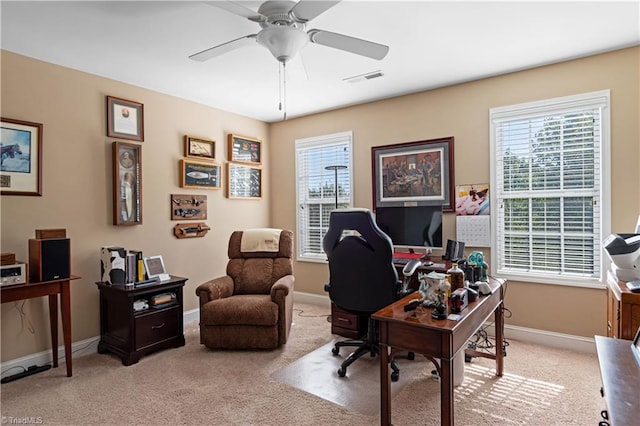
[284, 88]
[279, 87]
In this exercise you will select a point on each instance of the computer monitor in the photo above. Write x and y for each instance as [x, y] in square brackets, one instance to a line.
[412, 227]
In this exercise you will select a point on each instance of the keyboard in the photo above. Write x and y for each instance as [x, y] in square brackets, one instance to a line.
[401, 260]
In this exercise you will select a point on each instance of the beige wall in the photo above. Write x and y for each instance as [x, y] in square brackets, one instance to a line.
[462, 111]
[77, 176]
[77, 188]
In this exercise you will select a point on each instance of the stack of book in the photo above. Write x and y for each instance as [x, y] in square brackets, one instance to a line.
[121, 266]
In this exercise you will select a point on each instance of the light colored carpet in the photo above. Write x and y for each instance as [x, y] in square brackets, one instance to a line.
[192, 385]
[316, 373]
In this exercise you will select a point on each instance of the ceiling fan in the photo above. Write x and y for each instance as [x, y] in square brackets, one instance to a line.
[283, 31]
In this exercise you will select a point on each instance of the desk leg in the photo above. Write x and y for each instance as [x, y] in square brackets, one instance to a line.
[53, 326]
[385, 387]
[65, 297]
[446, 392]
[499, 317]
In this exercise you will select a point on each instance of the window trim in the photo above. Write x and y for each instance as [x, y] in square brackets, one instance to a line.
[564, 104]
[333, 138]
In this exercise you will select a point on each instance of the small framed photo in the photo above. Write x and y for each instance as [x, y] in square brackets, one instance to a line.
[243, 149]
[125, 119]
[21, 164]
[199, 174]
[154, 266]
[127, 184]
[244, 181]
[199, 148]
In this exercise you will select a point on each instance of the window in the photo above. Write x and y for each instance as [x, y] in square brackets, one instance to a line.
[550, 182]
[316, 183]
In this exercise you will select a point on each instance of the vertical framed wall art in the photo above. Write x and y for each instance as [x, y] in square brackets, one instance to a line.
[125, 119]
[243, 149]
[127, 184]
[21, 164]
[244, 181]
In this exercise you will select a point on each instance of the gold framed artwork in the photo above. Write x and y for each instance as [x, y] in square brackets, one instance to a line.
[127, 184]
[21, 164]
[125, 119]
[244, 181]
[199, 174]
[243, 149]
[200, 148]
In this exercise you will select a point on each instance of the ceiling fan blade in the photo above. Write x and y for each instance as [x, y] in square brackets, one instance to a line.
[305, 11]
[223, 48]
[238, 9]
[349, 44]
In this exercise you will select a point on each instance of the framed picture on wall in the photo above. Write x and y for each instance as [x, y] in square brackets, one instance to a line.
[199, 148]
[414, 173]
[199, 174]
[125, 119]
[127, 184]
[21, 164]
[244, 181]
[243, 149]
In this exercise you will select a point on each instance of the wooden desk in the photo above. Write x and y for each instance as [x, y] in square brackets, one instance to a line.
[52, 289]
[418, 332]
[620, 374]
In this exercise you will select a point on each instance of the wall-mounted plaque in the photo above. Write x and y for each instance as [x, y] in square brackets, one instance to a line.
[243, 149]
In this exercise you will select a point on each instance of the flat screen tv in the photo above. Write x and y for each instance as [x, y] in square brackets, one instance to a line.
[412, 227]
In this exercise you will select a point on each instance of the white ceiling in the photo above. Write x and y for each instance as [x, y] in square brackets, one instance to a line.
[432, 44]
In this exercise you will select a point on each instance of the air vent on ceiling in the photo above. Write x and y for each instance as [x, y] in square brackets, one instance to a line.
[364, 77]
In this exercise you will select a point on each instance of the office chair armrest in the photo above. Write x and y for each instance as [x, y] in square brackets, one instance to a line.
[282, 288]
[217, 288]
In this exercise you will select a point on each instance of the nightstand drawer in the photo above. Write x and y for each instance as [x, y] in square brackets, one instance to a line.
[155, 327]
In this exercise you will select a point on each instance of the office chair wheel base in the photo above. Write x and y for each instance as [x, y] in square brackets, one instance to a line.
[395, 376]
[335, 351]
[342, 372]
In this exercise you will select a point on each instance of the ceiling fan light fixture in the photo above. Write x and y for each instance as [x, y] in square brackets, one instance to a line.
[283, 42]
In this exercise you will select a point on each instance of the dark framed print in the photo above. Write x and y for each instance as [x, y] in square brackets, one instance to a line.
[127, 184]
[199, 148]
[243, 149]
[413, 174]
[21, 164]
[199, 174]
[125, 119]
[244, 181]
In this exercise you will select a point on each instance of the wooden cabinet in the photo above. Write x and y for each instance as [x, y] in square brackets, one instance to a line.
[130, 333]
[623, 310]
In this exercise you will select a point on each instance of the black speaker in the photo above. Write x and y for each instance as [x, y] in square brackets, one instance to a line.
[455, 251]
[49, 259]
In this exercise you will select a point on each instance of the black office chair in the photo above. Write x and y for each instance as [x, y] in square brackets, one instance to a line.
[362, 277]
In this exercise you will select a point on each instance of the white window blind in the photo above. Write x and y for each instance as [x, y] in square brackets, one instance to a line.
[316, 188]
[548, 176]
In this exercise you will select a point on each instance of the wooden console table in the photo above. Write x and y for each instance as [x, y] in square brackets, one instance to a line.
[620, 374]
[418, 332]
[52, 289]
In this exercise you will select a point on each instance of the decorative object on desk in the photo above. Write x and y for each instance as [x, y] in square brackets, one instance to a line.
[243, 149]
[113, 265]
[21, 162]
[456, 277]
[125, 119]
[335, 169]
[186, 206]
[199, 174]
[127, 184]
[200, 148]
[476, 262]
[429, 285]
[191, 230]
[414, 173]
[441, 309]
[154, 265]
[244, 181]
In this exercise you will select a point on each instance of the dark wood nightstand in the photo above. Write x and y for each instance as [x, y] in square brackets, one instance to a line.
[130, 334]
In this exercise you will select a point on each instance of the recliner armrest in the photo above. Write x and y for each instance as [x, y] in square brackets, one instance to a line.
[283, 286]
[217, 288]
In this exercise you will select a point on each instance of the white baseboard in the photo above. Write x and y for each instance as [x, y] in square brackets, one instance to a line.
[524, 334]
[78, 349]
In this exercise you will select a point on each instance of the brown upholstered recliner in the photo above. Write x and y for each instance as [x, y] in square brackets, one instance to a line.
[252, 306]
